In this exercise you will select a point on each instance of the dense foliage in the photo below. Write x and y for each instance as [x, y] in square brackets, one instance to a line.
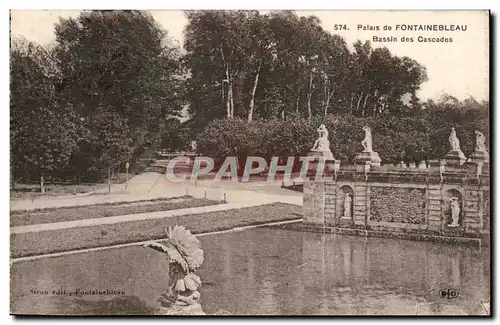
[407, 138]
[112, 87]
[244, 64]
[94, 100]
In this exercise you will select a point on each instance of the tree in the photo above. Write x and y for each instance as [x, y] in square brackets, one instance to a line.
[176, 135]
[43, 134]
[103, 147]
[122, 61]
[218, 44]
[244, 64]
[263, 53]
[465, 116]
[381, 81]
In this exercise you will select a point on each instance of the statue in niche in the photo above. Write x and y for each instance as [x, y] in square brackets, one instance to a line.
[185, 255]
[367, 141]
[480, 139]
[322, 143]
[347, 206]
[455, 212]
[454, 142]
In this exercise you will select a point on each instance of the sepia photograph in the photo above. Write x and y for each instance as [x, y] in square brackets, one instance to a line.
[250, 163]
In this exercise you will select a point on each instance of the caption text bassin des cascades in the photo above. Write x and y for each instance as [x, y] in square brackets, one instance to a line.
[418, 32]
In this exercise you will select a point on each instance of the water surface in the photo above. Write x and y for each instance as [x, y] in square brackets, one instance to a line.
[268, 271]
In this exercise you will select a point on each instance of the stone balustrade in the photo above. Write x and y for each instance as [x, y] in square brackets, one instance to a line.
[403, 202]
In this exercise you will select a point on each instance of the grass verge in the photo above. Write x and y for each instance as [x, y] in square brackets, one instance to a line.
[32, 191]
[23, 218]
[54, 241]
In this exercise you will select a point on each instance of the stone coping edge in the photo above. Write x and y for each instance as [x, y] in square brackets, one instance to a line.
[303, 226]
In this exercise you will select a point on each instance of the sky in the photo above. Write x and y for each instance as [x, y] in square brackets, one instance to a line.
[459, 68]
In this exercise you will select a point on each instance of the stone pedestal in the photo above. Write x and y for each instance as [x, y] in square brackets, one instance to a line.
[480, 162]
[480, 157]
[437, 166]
[191, 310]
[453, 231]
[344, 222]
[326, 156]
[362, 166]
[455, 158]
[486, 167]
[370, 157]
[314, 202]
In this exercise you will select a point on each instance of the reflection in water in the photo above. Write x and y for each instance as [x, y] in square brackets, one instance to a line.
[455, 269]
[268, 271]
[310, 273]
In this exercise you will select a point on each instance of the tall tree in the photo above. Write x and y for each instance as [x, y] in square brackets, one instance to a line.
[244, 64]
[43, 134]
[123, 61]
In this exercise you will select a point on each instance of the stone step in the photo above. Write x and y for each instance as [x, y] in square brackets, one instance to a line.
[434, 218]
[434, 207]
[435, 197]
[471, 209]
[435, 213]
[330, 199]
[434, 192]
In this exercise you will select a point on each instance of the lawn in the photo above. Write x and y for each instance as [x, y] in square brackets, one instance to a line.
[22, 218]
[45, 242]
[28, 191]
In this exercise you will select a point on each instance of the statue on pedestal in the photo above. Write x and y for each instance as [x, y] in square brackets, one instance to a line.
[185, 255]
[480, 156]
[347, 206]
[454, 142]
[368, 156]
[480, 139]
[455, 212]
[455, 156]
[367, 141]
[322, 143]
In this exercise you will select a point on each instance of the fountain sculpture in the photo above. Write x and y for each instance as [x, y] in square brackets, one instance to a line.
[185, 255]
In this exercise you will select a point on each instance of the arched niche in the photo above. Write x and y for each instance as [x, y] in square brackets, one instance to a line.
[453, 207]
[345, 206]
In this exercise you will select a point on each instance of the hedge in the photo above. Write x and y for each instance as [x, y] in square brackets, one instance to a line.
[396, 139]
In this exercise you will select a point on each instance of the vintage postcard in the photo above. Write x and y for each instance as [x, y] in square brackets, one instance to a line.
[250, 162]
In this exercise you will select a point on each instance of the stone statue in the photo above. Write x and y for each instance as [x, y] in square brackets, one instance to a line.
[347, 206]
[367, 141]
[322, 143]
[455, 212]
[480, 139]
[364, 160]
[454, 142]
[185, 255]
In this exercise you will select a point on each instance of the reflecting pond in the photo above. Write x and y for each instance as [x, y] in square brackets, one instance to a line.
[267, 271]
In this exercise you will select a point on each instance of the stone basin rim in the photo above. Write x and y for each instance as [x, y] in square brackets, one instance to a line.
[140, 243]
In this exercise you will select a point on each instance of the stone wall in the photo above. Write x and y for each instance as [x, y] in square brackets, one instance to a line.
[407, 203]
[397, 204]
